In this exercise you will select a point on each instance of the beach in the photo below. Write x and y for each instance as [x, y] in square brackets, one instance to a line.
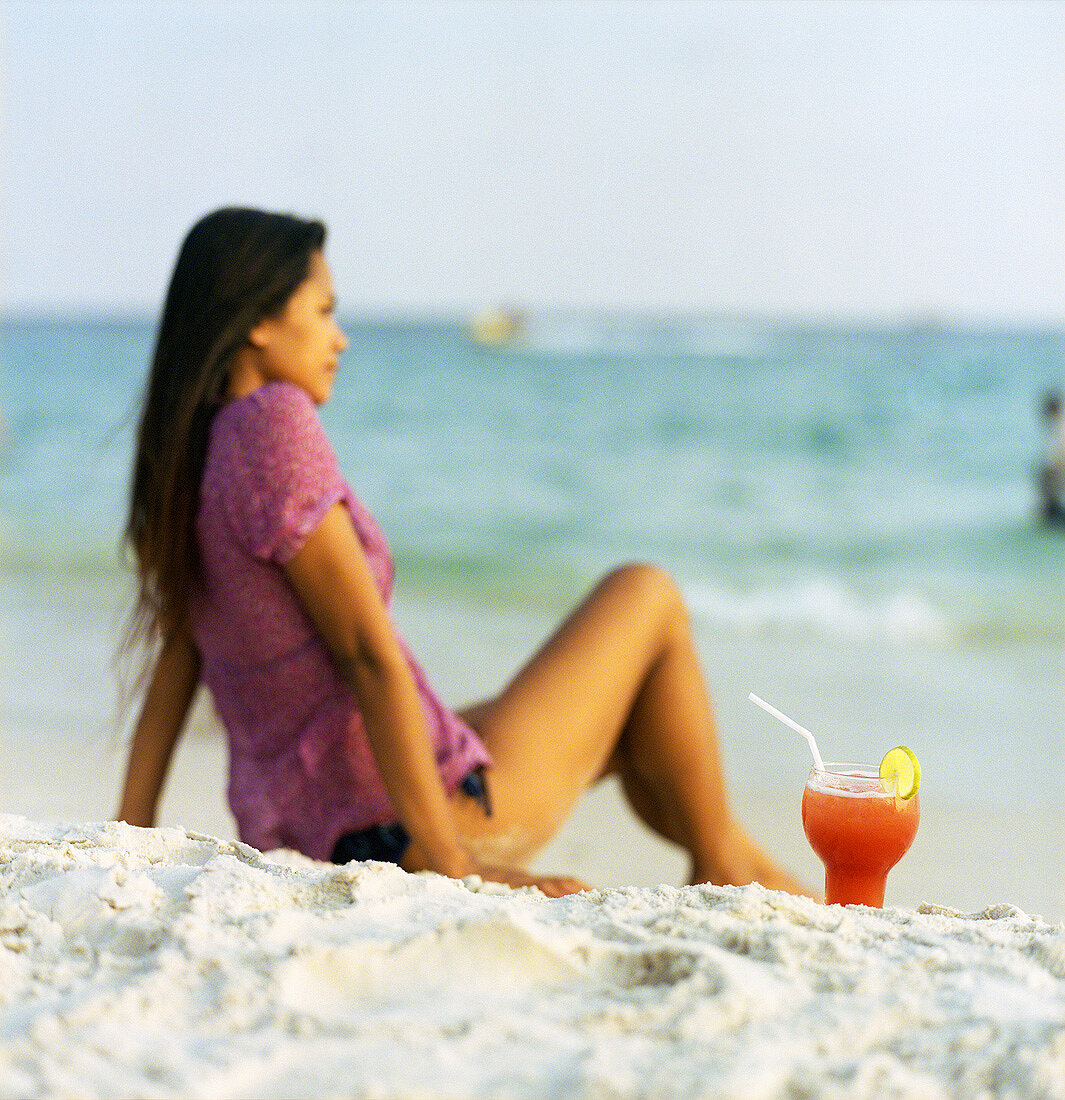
[991, 830]
[176, 962]
[842, 554]
[767, 295]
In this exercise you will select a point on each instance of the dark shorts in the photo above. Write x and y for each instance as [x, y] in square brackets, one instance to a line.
[387, 843]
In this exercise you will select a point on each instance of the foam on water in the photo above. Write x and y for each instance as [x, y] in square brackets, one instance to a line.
[822, 606]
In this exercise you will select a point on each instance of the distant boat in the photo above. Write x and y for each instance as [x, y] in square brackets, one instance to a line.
[494, 327]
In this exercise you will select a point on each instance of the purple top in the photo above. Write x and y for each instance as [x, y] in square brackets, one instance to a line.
[301, 770]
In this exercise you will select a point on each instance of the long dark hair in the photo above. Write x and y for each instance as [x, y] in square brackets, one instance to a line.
[236, 267]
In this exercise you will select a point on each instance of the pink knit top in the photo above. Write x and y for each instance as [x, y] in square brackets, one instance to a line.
[301, 770]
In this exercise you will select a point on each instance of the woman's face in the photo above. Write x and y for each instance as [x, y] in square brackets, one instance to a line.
[302, 344]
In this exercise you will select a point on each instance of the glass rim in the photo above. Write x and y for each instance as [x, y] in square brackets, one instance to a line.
[845, 768]
[848, 778]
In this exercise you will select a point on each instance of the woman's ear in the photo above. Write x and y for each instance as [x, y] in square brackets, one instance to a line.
[259, 335]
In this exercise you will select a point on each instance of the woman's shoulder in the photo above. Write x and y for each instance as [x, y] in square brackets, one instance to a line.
[277, 400]
[274, 412]
[275, 425]
[269, 459]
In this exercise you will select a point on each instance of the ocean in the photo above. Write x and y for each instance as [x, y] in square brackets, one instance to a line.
[850, 512]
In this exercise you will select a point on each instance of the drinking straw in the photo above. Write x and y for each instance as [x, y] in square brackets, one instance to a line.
[794, 725]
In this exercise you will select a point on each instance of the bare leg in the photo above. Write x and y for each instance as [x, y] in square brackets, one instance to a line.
[617, 688]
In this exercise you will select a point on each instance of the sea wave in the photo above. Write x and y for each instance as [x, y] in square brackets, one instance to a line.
[823, 606]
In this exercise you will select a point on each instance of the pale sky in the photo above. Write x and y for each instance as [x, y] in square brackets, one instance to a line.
[839, 159]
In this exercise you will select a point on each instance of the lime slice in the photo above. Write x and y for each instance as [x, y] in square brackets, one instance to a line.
[900, 773]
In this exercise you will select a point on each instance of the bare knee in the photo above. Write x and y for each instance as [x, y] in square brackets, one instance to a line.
[652, 590]
[650, 581]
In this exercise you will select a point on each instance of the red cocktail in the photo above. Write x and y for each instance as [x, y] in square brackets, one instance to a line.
[859, 830]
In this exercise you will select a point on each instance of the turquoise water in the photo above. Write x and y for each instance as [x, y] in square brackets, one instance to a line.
[850, 513]
[809, 481]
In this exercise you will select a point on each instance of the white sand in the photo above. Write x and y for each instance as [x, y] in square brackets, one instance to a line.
[159, 963]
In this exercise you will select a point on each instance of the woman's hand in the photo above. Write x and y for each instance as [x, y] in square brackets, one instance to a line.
[464, 865]
[554, 886]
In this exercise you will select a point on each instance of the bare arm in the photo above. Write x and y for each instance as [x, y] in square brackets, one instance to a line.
[333, 581]
[162, 718]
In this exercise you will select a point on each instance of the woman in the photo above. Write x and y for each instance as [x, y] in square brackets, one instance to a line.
[262, 574]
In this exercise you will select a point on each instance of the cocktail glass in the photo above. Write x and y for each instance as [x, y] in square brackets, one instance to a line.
[858, 830]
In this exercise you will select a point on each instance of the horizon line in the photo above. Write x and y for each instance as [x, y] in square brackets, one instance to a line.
[915, 320]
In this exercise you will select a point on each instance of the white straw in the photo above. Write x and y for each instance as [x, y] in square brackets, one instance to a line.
[794, 725]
